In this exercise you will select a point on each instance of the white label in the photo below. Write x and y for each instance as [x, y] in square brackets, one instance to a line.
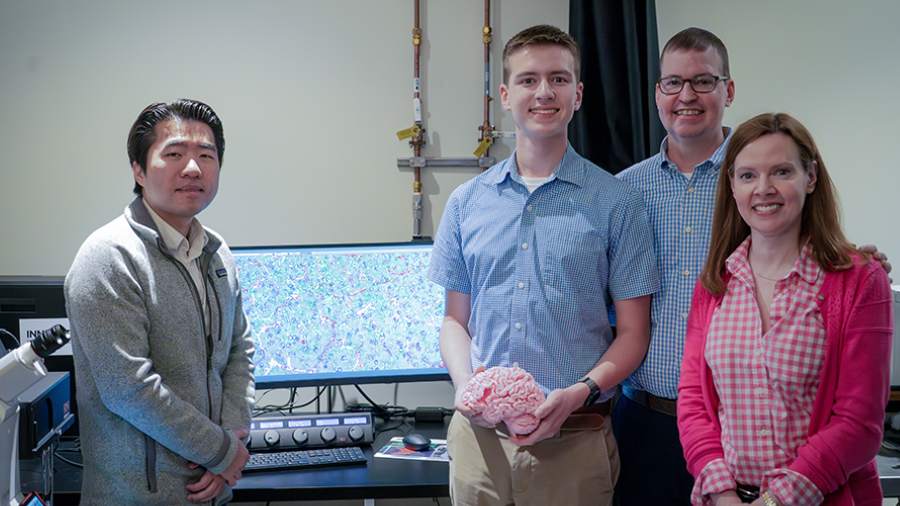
[30, 327]
[417, 110]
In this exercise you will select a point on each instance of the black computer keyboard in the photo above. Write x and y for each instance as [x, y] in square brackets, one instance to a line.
[302, 459]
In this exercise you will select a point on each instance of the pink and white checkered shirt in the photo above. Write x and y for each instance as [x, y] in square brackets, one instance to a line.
[766, 383]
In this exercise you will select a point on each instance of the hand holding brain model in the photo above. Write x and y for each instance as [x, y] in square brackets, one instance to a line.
[505, 394]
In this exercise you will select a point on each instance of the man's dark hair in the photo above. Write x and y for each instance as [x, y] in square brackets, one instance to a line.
[541, 35]
[697, 39]
[142, 134]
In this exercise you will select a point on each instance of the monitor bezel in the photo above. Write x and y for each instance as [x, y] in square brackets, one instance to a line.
[344, 378]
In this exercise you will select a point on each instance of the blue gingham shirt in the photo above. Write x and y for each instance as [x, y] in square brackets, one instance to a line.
[680, 211]
[540, 266]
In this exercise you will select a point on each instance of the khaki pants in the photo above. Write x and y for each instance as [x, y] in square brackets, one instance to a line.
[579, 467]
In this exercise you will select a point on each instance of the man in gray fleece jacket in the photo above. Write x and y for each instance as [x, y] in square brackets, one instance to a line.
[162, 348]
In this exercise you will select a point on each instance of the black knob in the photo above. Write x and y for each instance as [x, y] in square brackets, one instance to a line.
[328, 435]
[356, 433]
[300, 436]
[271, 438]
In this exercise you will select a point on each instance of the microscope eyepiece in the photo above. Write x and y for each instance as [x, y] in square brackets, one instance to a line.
[50, 340]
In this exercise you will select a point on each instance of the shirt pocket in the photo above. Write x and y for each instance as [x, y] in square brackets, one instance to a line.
[573, 271]
[573, 257]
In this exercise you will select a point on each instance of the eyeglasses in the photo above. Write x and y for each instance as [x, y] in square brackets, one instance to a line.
[704, 83]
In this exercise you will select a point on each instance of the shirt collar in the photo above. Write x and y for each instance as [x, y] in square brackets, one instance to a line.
[805, 266]
[714, 161]
[190, 247]
[570, 169]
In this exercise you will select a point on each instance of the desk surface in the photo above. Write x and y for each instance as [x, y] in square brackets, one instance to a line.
[890, 476]
[379, 478]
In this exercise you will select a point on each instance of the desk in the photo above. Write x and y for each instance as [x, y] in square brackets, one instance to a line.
[379, 479]
[890, 477]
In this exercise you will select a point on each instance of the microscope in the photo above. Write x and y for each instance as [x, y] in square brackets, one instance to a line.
[20, 368]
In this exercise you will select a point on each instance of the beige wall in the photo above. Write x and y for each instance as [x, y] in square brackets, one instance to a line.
[310, 93]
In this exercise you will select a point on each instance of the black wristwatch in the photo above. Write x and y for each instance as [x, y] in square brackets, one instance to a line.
[595, 391]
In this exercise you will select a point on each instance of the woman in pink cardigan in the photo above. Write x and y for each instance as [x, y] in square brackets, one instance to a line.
[786, 363]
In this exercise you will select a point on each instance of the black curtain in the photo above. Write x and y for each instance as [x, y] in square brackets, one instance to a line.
[617, 125]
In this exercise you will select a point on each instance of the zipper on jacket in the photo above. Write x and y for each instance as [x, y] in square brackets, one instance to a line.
[210, 345]
[207, 337]
[218, 304]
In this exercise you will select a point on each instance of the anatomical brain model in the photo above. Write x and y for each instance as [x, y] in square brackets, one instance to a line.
[505, 394]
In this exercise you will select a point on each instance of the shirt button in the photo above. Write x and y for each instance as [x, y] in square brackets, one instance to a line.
[688, 229]
[520, 284]
[684, 315]
[518, 326]
[764, 432]
[690, 189]
[761, 392]
[524, 245]
[530, 208]
[685, 273]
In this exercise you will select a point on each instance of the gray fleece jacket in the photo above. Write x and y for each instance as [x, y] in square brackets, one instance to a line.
[156, 388]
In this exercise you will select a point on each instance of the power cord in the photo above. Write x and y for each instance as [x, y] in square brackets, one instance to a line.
[383, 411]
[75, 449]
[288, 406]
[8, 340]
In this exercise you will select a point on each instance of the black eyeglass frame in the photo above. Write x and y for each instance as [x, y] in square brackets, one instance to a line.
[691, 80]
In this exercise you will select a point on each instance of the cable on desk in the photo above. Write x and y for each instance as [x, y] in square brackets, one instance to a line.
[290, 405]
[67, 461]
[380, 410]
[401, 427]
[340, 390]
[291, 400]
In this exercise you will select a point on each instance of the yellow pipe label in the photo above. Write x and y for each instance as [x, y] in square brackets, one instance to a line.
[406, 133]
[483, 147]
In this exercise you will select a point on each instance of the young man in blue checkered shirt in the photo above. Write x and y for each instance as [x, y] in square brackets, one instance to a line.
[678, 185]
[528, 253]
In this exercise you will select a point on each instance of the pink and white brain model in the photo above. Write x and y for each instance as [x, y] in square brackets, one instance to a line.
[505, 394]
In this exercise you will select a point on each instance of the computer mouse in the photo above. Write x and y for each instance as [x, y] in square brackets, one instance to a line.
[416, 442]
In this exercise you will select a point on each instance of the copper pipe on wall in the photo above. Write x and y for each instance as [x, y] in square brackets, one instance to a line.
[416, 133]
[418, 138]
[486, 128]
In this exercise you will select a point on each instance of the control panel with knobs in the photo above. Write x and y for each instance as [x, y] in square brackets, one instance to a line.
[304, 431]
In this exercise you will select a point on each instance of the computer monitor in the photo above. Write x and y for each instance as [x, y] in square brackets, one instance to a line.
[31, 304]
[342, 314]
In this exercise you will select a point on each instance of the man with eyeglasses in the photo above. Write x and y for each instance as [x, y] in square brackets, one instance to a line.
[678, 185]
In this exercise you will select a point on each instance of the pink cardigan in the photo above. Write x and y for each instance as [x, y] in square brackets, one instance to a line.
[846, 428]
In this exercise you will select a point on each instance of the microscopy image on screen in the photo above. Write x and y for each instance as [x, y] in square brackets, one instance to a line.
[320, 310]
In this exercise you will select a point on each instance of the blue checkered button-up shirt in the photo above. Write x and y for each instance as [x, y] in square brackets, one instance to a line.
[680, 211]
[539, 267]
